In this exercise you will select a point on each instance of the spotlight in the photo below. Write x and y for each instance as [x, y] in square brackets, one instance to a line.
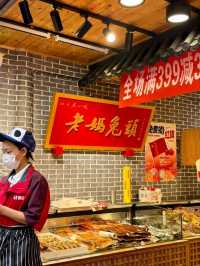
[128, 41]
[131, 3]
[84, 28]
[178, 11]
[55, 17]
[110, 36]
[25, 11]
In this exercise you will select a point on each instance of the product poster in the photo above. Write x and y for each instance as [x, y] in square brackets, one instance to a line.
[160, 153]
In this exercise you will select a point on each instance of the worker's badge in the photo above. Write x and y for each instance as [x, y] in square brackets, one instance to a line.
[18, 197]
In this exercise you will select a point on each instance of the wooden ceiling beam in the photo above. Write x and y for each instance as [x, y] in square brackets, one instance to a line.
[104, 19]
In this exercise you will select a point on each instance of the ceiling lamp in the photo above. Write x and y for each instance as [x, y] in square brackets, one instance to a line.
[84, 28]
[55, 17]
[178, 11]
[131, 3]
[25, 11]
[109, 34]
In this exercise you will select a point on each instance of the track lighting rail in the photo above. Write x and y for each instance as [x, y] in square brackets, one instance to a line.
[8, 23]
[104, 19]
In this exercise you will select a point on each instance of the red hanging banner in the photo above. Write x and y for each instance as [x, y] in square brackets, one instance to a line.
[78, 122]
[179, 75]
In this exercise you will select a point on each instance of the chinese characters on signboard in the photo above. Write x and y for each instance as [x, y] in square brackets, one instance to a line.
[177, 76]
[82, 122]
[98, 125]
[160, 153]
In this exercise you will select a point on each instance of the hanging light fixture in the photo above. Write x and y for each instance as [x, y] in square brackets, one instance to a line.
[178, 11]
[25, 12]
[128, 41]
[55, 17]
[84, 28]
[109, 34]
[131, 3]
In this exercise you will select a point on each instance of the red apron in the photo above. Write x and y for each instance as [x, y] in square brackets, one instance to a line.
[17, 196]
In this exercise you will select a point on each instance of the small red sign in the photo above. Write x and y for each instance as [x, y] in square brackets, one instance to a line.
[179, 75]
[78, 122]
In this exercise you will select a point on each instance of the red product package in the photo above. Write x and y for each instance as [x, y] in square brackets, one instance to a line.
[158, 146]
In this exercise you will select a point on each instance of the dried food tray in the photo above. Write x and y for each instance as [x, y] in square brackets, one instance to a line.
[60, 254]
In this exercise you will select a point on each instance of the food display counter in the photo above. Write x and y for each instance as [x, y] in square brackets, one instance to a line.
[106, 237]
[181, 253]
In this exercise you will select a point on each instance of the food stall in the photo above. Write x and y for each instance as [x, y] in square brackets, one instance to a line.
[45, 64]
[160, 234]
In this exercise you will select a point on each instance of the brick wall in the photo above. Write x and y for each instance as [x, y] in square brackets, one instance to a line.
[27, 83]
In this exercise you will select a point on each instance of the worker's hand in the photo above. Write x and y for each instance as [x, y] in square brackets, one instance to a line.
[1, 209]
[15, 215]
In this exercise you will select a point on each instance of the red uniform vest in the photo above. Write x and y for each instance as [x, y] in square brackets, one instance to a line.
[17, 196]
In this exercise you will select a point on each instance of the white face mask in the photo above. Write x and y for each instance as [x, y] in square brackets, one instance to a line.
[10, 161]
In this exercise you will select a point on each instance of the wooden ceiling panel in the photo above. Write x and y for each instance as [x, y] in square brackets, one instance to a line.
[24, 41]
[150, 16]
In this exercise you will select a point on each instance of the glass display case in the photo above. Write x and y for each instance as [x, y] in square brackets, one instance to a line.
[190, 220]
[162, 227]
[85, 232]
[188, 210]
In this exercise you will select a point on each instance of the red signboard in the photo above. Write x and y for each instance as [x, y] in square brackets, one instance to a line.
[78, 122]
[179, 75]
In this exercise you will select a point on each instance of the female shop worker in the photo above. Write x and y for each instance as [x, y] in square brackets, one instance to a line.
[24, 201]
